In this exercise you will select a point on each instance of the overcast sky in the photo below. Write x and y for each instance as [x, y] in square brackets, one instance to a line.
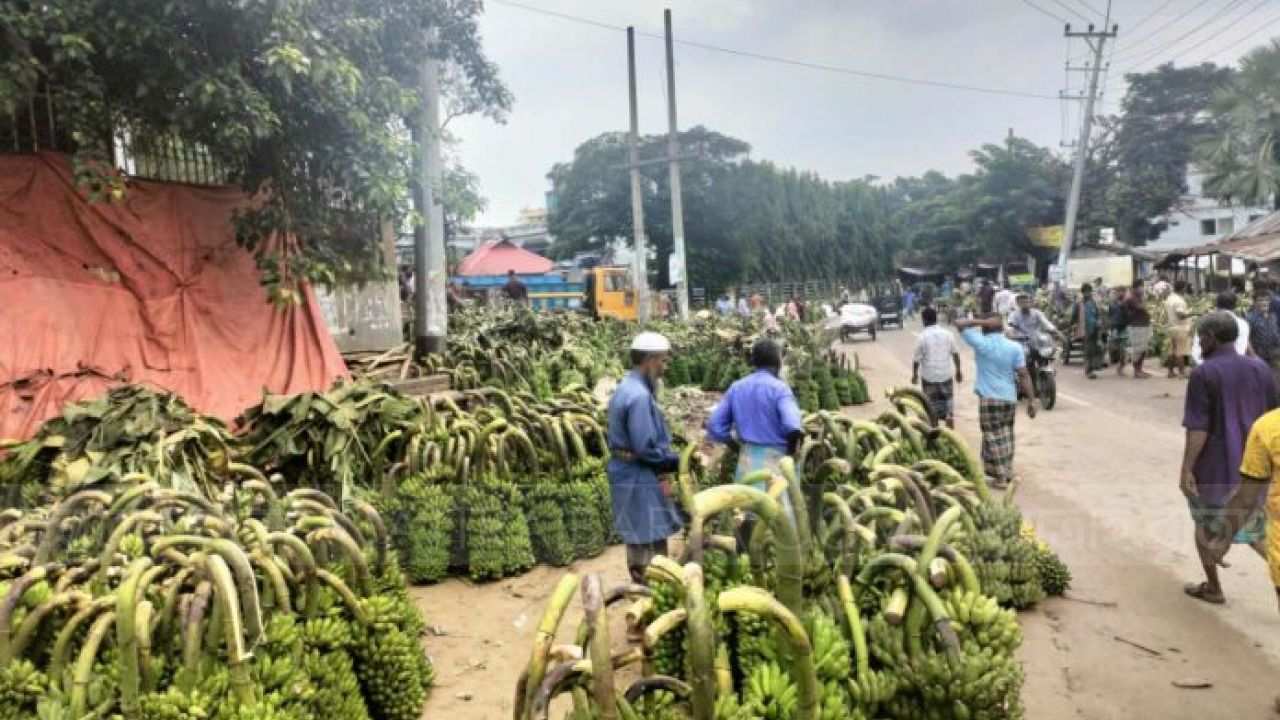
[570, 83]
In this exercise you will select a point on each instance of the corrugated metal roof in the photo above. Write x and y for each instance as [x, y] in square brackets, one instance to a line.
[498, 257]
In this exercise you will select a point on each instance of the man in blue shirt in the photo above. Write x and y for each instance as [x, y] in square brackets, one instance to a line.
[1085, 321]
[640, 452]
[762, 410]
[1002, 372]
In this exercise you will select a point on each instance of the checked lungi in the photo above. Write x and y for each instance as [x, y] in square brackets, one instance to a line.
[939, 395]
[995, 418]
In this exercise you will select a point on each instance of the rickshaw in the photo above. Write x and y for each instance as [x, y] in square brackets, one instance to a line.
[888, 309]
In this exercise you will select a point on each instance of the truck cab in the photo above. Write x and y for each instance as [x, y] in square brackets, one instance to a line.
[610, 293]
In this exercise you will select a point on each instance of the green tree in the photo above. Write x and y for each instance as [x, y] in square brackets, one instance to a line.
[1243, 161]
[305, 102]
[1138, 165]
[983, 215]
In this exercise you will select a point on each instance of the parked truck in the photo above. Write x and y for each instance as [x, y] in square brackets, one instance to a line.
[600, 291]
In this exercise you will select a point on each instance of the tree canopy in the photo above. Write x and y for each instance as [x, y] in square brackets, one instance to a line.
[744, 220]
[303, 102]
[1243, 160]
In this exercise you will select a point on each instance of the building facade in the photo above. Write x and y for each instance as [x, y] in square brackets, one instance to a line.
[1201, 219]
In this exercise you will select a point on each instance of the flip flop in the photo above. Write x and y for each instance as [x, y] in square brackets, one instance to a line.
[1200, 591]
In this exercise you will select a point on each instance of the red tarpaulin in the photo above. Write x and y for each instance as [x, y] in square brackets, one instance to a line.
[152, 290]
[496, 258]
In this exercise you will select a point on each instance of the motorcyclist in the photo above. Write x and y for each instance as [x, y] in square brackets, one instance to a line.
[1026, 324]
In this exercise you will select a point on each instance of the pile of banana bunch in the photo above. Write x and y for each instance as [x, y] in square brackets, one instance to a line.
[490, 490]
[861, 601]
[134, 600]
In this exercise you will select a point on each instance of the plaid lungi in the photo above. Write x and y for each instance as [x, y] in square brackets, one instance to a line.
[1139, 340]
[995, 418]
[939, 395]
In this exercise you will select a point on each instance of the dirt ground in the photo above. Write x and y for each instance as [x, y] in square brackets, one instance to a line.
[1099, 480]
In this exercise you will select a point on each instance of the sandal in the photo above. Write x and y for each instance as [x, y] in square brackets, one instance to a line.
[1200, 591]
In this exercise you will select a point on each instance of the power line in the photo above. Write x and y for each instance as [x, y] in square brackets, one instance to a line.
[1146, 38]
[1042, 11]
[1146, 57]
[1240, 41]
[1220, 31]
[1092, 9]
[1146, 18]
[1070, 9]
[886, 77]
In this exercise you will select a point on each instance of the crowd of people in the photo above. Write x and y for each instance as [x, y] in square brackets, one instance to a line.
[1230, 471]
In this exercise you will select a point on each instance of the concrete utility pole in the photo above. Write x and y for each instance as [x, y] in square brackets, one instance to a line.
[430, 310]
[1086, 126]
[677, 202]
[640, 273]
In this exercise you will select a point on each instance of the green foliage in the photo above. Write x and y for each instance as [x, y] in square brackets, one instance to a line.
[1138, 163]
[1243, 161]
[305, 100]
[753, 220]
[982, 215]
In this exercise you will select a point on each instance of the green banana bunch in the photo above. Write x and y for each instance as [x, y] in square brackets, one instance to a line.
[770, 693]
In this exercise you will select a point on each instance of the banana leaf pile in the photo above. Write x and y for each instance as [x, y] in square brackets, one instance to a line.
[334, 441]
[131, 429]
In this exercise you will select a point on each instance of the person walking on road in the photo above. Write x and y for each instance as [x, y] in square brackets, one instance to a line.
[1225, 302]
[1086, 324]
[1005, 300]
[1264, 330]
[1179, 326]
[1225, 396]
[1139, 329]
[986, 297]
[1001, 373]
[935, 356]
[1118, 324]
[1259, 488]
[640, 457]
[759, 414]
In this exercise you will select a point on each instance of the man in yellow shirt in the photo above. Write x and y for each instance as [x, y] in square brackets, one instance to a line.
[1259, 472]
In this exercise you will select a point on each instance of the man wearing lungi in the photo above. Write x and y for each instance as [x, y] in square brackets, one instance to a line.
[1002, 371]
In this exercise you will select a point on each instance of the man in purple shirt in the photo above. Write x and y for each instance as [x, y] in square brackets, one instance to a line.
[1226, 394]
[762, 410]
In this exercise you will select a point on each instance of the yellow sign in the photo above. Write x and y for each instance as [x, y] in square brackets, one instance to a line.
[1049, 236]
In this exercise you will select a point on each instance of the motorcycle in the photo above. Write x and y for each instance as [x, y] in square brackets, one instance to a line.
[1041, 356]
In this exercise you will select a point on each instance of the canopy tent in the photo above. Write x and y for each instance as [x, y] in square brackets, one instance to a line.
[498, 257]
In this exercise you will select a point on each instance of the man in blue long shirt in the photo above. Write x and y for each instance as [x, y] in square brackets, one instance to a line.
[762, 410]
[640, 452]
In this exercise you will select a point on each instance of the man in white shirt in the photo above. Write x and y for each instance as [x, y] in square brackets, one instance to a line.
[1178, 320]
[1005, 301]
[1225, 301]
[935, 356]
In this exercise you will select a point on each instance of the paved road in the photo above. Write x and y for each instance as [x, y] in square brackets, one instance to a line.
[1099, 478]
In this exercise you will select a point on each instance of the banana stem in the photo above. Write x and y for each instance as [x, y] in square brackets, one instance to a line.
[972, 468]
[936, 535]
[85, 660]
[598, 649]
[853, 620]
[543, 640]
[701, 634]
[53, 531]
[754, 600]
[32, 622]
[127, 637]
[790, 561]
